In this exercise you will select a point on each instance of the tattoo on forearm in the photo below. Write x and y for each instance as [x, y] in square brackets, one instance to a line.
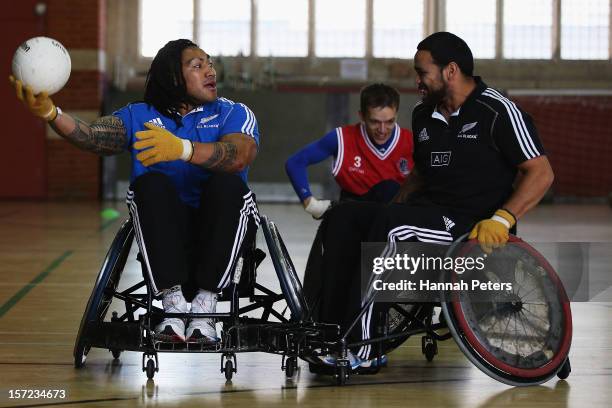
[223, 156]
[105, 136]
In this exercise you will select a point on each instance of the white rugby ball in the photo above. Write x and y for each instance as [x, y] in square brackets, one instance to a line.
[42, 63]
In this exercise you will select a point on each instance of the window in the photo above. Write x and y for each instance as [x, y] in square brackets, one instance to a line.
[528, 29]
[282, 28]
[474, 22]
[225, 27]
[398, 28]
[340, 28]
[584, 29]
[175, 18]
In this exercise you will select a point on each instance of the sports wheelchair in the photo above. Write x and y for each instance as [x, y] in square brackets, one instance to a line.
[531, 355]
[133, 329]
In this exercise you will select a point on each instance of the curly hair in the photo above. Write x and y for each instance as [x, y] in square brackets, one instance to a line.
[165, 86]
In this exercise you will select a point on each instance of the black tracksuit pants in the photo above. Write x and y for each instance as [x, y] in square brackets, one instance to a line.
[193, 247]
[348, 225]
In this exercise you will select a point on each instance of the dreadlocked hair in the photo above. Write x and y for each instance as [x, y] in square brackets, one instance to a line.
[165, 86]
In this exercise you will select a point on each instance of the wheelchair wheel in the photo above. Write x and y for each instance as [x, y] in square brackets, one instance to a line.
[313, 273]
[116, 353]
[228, 370]
[565, 370]
[402, 317]
[290, 366]
[287, 275]
[150, 369]
[104, 289]
[523, 336]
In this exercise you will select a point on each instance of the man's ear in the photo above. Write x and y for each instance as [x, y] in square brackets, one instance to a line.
[451, 71]
[361, 117]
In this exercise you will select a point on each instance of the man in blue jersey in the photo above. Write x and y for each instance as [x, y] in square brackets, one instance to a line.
[192, 209]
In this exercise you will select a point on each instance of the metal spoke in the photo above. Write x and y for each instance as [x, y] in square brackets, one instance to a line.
[504, 334]
[478, 319]
[520, 287]
[536, 316]
[528, 293]
[518, 354]
[525, 330]
[543, 332]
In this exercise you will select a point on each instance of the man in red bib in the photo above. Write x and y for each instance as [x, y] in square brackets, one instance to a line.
[371, 158]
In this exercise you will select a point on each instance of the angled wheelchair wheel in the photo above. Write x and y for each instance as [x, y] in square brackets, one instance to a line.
[313, 273]
[403, 317]
[104, 289]
[521, 336]
[285, 271]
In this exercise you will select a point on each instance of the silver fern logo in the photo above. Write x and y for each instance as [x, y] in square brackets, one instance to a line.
[468, 126]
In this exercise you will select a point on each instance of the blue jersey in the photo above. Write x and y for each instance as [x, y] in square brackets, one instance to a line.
[205, 124]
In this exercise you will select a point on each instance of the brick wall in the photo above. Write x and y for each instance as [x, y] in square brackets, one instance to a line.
[80, 26]
[72, 173]
[575, 132]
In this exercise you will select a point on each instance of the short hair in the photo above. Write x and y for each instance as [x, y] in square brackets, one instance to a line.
[165, 87]
[445, 48]
[378, 96]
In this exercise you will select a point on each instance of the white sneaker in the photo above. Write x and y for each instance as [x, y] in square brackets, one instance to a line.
[203, 330]
[172, 329]
[373, 363]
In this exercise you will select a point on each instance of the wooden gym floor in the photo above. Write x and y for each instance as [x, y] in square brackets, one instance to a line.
[50, 254]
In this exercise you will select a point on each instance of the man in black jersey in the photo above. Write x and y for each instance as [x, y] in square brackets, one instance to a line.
[470, 143]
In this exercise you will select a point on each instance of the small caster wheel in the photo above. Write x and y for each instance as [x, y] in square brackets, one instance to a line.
[442, 319]
[341, 375]
[116, 353]
[565, 370]
[290, 366]
[80, 355]
[228, 370]
[150, 369]
[430, 352]
[429, 347]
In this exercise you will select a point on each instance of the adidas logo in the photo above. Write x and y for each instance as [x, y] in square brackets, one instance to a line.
[448, 223]
[157, 122]
[423, 136]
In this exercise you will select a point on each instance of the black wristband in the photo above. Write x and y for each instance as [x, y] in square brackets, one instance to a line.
[56, 115]
[510, 212]
[192, 151]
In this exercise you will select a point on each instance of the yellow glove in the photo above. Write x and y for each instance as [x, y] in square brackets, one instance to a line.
[493, 232]
[40, 105]
[161, 146]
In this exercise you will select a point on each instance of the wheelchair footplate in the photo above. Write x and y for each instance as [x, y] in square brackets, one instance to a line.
[184, 346]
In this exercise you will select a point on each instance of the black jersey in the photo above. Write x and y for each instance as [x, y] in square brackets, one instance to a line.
[470, 163]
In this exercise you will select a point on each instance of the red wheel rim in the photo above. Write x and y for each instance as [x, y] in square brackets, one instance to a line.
[565, 343]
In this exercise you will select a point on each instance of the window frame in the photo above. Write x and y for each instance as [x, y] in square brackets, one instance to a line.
[434, 17]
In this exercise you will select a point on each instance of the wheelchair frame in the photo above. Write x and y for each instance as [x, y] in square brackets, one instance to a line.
[292, 338]
[286, 337]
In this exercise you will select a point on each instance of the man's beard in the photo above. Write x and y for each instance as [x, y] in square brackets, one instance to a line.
[434, 97]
